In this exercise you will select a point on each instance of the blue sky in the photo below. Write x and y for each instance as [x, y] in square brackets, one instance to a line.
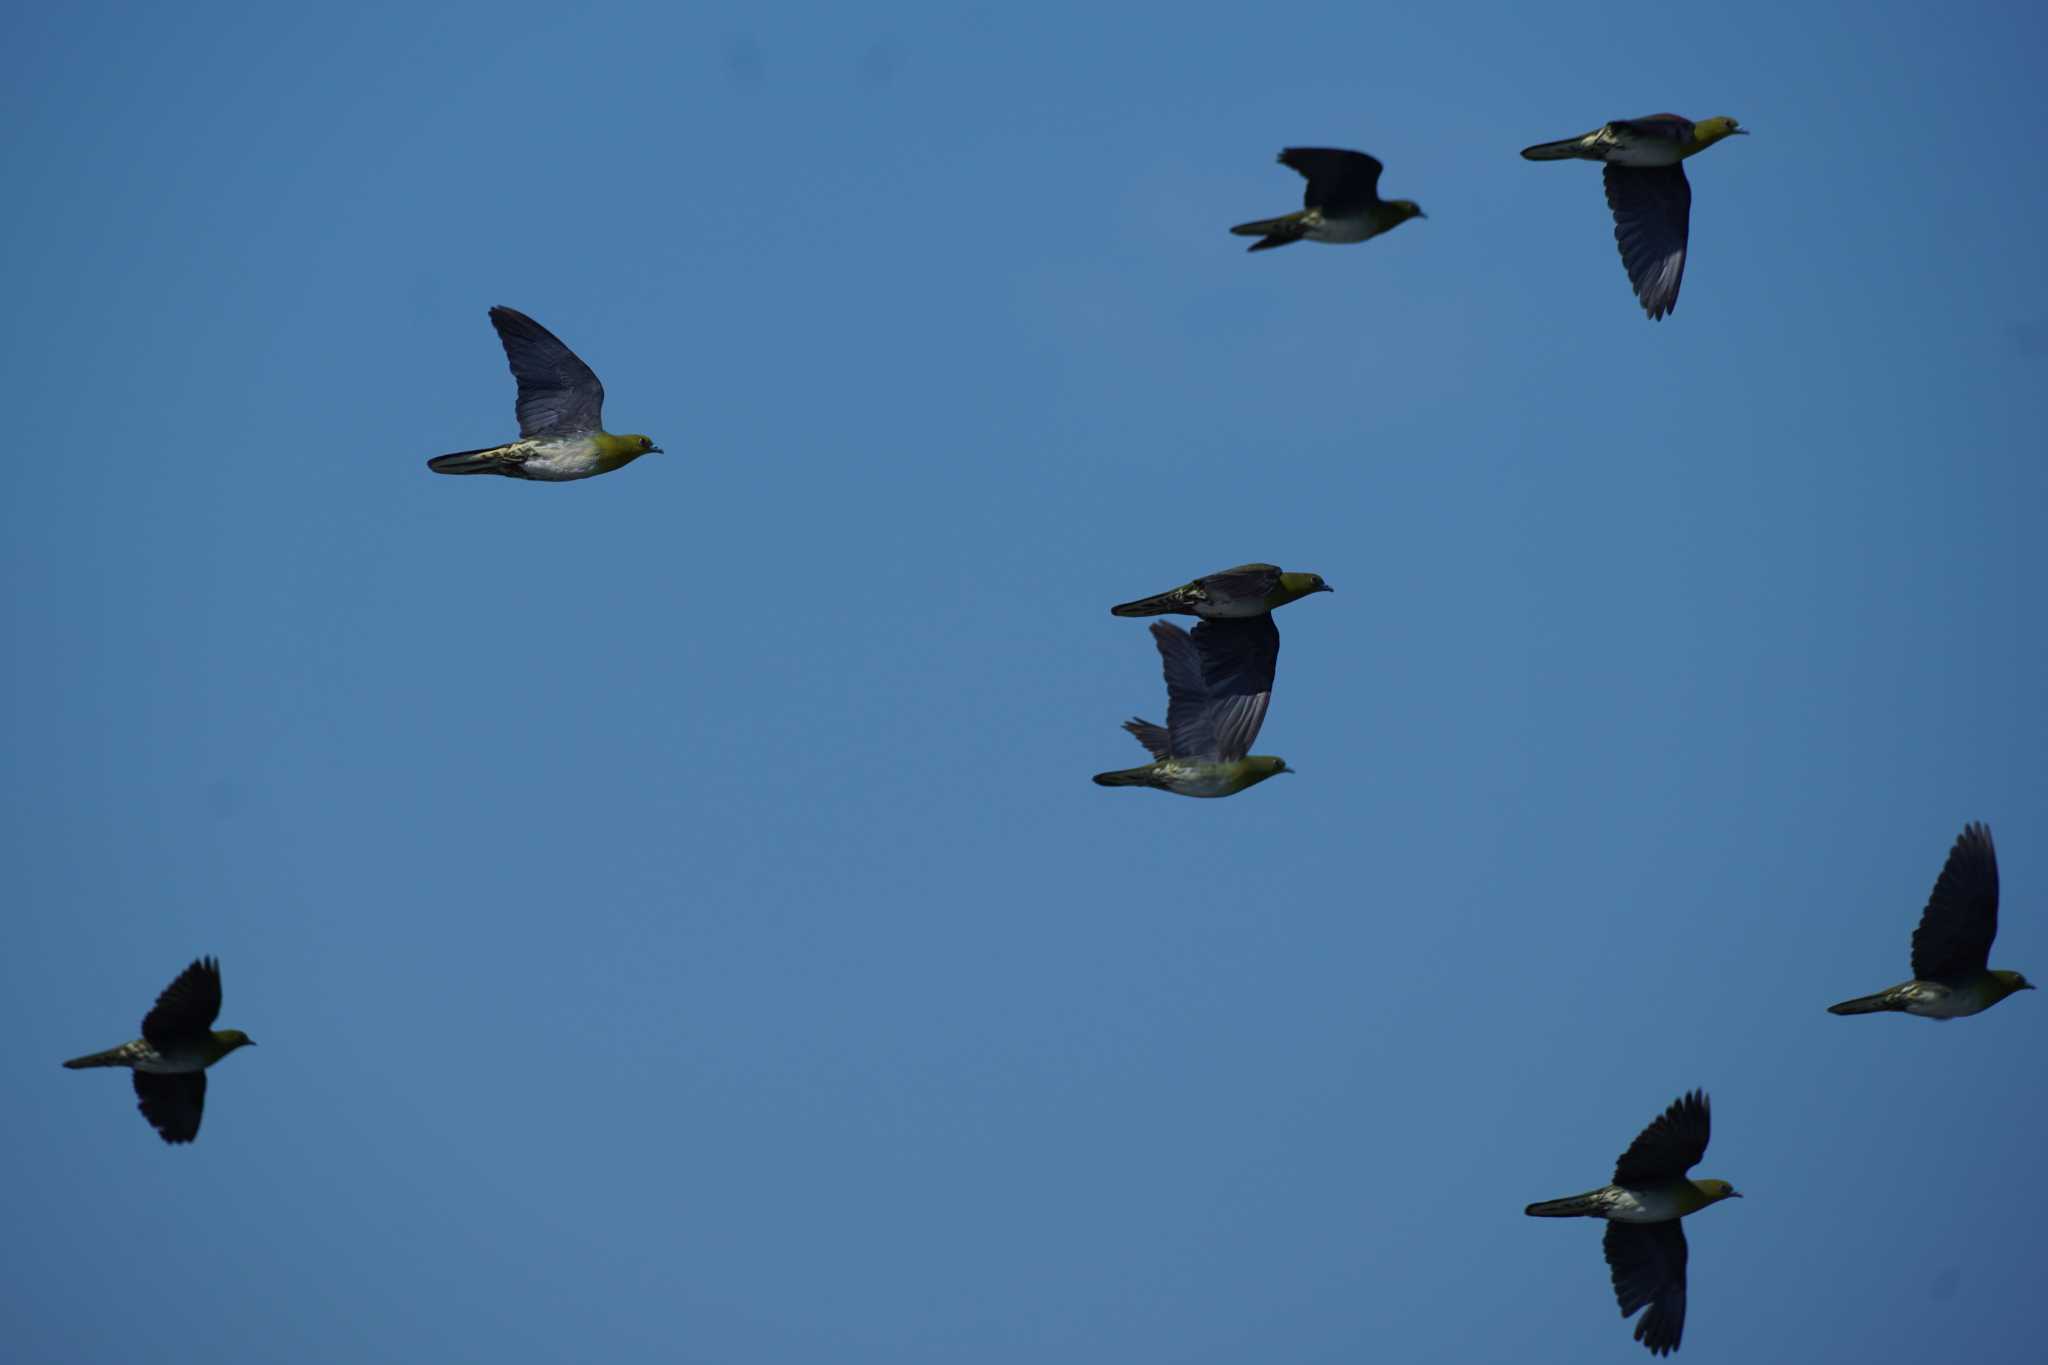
[672, 908]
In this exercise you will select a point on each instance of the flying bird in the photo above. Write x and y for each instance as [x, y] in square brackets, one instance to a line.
[561, 414]
[1341, 204]
[178, 1043]
[1247, 590]
[1952, 946]
[1219, 681]
[1647, 192]
[1645, 1245]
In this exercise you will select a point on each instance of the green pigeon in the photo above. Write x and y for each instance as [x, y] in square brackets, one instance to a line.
[1219, 682]
[1952, 946]
[1644, 1244]
[1341, 204]
[561, 414]
[1647, 192]
[1247, 590]
[178, 1043]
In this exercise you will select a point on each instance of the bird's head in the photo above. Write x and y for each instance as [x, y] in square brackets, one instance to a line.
[1298, 585]
[1716, 1190]
[2012, 981]
[1259, 767]
[1709, 131]
[616, 452]
[1404, 209]
[228, 1039]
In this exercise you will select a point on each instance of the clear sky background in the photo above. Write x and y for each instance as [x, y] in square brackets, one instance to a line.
[672, 908]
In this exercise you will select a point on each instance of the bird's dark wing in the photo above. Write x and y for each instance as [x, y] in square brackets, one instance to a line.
[1672, 1145]
[1190, 721]
[188, 1006]
[1245, 581]
[172, 1103]
[558, 394]
[1337, 179]
[1648, 1262]
[1238, 660]
[1657, 127]
[1961, 919]
[1652, 215]
[1154, 737]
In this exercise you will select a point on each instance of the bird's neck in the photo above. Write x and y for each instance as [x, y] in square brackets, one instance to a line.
[614, 451]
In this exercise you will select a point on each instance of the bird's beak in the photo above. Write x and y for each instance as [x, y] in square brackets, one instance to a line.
[656, 450]
[2030, 986]
[1735, 1194]
[1742, 132]
[1326, 588]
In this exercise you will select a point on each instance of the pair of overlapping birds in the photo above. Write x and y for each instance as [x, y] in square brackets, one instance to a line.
[1219, 683]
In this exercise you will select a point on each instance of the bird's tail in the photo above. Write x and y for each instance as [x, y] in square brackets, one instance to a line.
[1555, 151]
[111, 1057]
[1575, 1206]
[483, 461]
[1274, 231]
[1156, 605]
[1865, 1004]
[1128, 777]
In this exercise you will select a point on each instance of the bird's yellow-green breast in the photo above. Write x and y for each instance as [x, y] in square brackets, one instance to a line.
[1294, 586]
[1695, 1195]
[615, 452]
[1709, 131]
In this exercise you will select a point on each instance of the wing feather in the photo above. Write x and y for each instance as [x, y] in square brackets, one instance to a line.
[1647, 1261]
[187, 1007]
[172, 1104]
[558, 394]
[1672, 1145]
[1961, 918]
[1652, 209]
[1338, 180]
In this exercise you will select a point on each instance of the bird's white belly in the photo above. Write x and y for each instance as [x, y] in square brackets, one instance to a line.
[556, 461]
[1621, 149]
[1337, 230]
[143, 1057]
[1197, 779]
[1932, 1000]
[1641, 1206]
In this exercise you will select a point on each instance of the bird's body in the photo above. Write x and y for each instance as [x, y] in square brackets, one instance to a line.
[1232, 594]
[1936, 999]
[1621, 1204]
[1219, 682]
[1645, 143]
[178, 1044]
[177, 1057]
[1188, 777]
[1341, 203]
[1644, 1244]
[1952, 978]
[549, 459]
[561, 415]
[1647, 193]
